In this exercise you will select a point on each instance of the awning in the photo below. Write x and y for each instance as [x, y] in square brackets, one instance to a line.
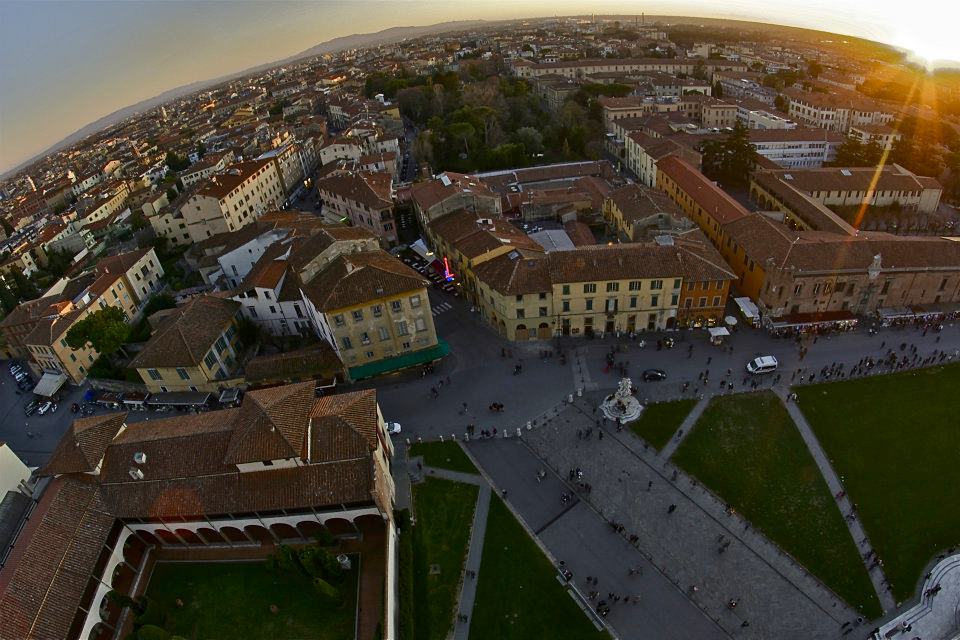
[718, 332]
[420, 248]
[178, 399]
[400, 362]
[49, 384]
[748, 308]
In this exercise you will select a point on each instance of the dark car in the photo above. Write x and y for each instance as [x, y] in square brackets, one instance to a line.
[652, 375]
[30, 408]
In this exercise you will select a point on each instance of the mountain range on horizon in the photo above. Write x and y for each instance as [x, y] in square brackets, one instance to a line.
[333, 45]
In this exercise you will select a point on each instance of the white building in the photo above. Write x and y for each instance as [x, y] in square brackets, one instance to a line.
[796, 148]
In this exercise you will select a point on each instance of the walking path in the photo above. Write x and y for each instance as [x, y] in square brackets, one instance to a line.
[468, 586]
[776, 595]
[685, 428]
[845, 505]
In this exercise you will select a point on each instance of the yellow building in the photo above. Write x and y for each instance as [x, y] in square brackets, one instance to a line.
[193, 348]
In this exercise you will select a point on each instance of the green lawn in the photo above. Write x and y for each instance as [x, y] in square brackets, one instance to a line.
[224, 600]
[443, 455]
[895, 441]
[444, 512]
[660, 420]
[518, 596]
[746, 448]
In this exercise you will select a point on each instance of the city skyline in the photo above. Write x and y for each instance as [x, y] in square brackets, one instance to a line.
[83, 61]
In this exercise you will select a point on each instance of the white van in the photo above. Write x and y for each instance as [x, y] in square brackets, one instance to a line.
[763, 364]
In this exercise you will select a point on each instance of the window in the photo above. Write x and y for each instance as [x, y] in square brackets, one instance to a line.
[273, 309]
[184, 375]
[402, 329]
[358, 315]
[654, 300]
[396, 306]
[338, 319]
[543, 296]
[543, 312]
[377, 310]
[566, 289]
[676, 283]
[590, 288]
[414, 301]
[716, 301]
[589, 304]
[613, 287]
[364, 338]
[687, 303]
[154, 374]
[674, 299]
[566, 305]
[886, 287]
[816, 289]
[633, 302]
[296, 308]
[384, 334]
[635, 285]
[520, 299]
[346, 342]
[656, 285]
[221, 343]
[797, 288]
[420, 324]
[702, 302]
[266, 294]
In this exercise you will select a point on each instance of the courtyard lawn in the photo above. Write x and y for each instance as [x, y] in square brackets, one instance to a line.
[518, 596]
[444, 511]
[232, 600]
[747, 449]
[660, 420]
[894, 439]
[443, 455]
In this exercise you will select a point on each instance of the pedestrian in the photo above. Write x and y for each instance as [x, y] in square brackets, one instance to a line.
[671, 508]
[600, 435]
[649, 485]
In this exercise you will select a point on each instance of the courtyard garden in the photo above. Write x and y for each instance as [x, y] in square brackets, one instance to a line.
[747, 450]
[894, 441]
[660, 420]
[246, 600]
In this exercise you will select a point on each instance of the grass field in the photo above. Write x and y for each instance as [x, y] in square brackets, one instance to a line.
[232, 600]
[895, 440]
[443, 455]
[746, 449]
[660, 420]
[518, 596]
[444, 513]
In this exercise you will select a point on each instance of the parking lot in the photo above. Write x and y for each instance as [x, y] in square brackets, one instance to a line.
[32, 438]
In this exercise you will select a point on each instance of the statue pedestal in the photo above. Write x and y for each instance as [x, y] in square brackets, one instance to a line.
[621, 406]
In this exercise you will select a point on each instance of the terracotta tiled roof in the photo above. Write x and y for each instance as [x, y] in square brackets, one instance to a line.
[372, 189]
[637, 202]
[515, 273]
[120, 263]
[615, 262]
[319, 359]
[355, 278]
[464, 231]
[358, 410]
[714, 200]
[220, 185]
[185, 335]
[83, 445]
[272, 424]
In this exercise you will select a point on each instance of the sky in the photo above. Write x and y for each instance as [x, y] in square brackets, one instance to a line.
[64, 64]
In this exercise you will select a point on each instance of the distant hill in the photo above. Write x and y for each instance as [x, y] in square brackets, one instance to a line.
[357, 40]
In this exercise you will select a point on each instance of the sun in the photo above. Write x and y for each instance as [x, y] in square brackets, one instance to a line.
[928, 43]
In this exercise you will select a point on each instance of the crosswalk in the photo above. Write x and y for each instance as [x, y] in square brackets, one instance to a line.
[437, 309]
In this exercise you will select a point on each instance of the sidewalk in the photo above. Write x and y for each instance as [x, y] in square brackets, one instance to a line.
[685, 428]
[845, 505]
[468, 587]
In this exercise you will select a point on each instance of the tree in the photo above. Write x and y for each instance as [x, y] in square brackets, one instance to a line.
[700, 71]
[814, 69]
[530, 138]
[732, 159]
[175, 162]
[158, 302]
[463, 131]
[171, 194]
[105, 330]
[201, 149]
[781, 103]
[7, 227]
[717, 89]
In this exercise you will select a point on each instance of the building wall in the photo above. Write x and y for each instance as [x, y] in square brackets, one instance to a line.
[702, 303]
[212, 373]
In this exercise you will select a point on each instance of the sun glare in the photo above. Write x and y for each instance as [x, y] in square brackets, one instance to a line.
[928, 44]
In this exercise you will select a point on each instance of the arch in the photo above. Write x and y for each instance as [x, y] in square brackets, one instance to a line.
[189, 537]
[543, 331]
[148, 538]
[285, 531]
[98, 632]
[233, 534]
[259, 533]
[369, 522]
[122, 578]
[310, 529]
[340, 527]
[166, 537]
[521, 333]
[212, 536]
[133, 550]
[671, 322]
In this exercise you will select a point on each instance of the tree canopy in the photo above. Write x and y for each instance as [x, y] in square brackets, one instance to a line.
[105, 330]
[731, 159]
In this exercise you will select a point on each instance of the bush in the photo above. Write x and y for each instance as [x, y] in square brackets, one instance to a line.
[153, 614]
[324, 588]
[152, 632]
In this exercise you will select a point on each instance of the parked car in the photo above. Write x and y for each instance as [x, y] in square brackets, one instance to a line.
[654, 375]
[393, 427]
[762, 364]
[30, 408]
[44, 407]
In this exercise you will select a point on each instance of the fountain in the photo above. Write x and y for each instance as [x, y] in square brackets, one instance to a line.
[622, 406]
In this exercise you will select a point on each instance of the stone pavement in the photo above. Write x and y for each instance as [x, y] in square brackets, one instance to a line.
[632, 486]
[685, 428]
[575, 533]
[845, 505]
[468, 586]
[937, 615]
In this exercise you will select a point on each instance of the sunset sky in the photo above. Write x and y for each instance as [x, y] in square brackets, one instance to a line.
[65, 64]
